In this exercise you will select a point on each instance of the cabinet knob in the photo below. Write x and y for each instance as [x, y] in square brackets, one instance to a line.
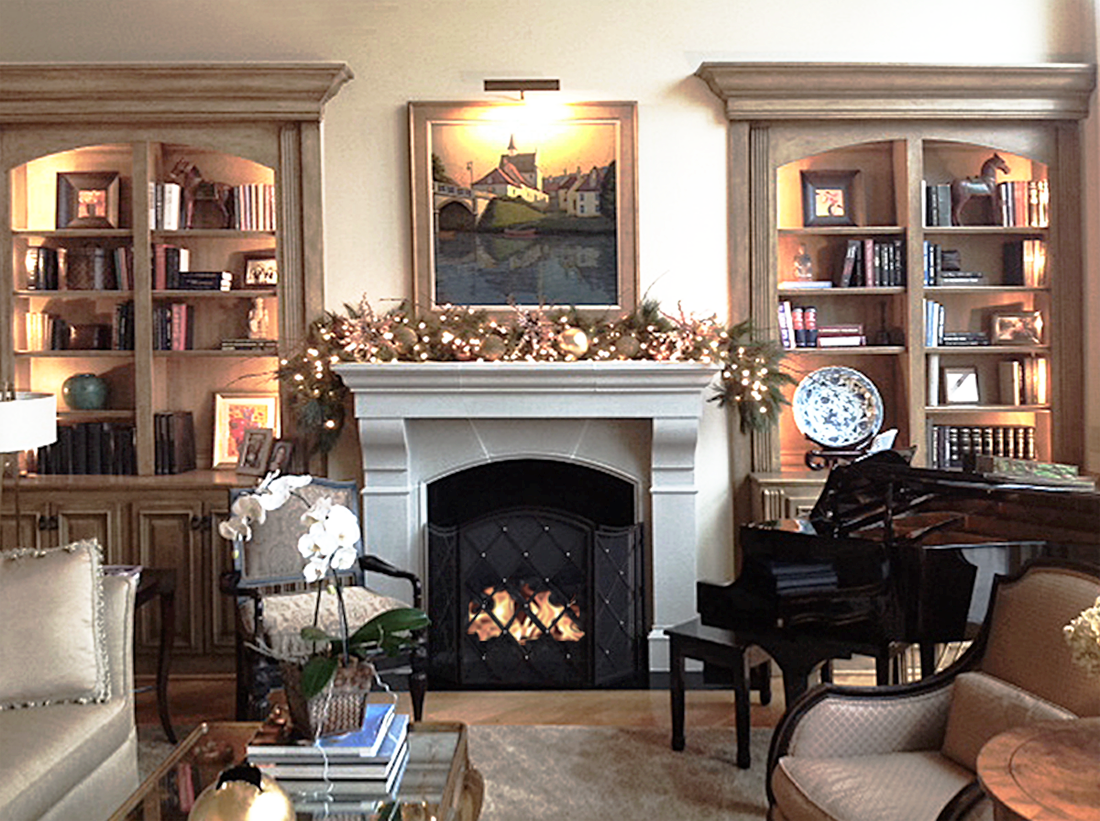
[202, 522]
[42, 522]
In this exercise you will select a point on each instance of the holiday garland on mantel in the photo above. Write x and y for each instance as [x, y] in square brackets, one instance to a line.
[752, 378]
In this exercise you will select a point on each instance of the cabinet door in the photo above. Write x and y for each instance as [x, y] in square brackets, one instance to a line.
[34, 522]
[222, 627]
[168, 533]
[88, 517]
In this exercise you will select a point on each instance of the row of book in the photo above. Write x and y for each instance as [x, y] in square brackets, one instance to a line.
[1020, 204]
[249, 207]
[90, 448]
[1023, 382]
[953, 446]
[83, 268]
[351, 769]
[872, 263]
[944, 267]
[1025, 263]
[1024, 203]
[937, 336]
[799, 328]
[174, 442]
[49, 332]
[173, 326]
[172, 271]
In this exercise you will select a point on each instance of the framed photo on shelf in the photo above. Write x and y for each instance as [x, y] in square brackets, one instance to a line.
[828, 198]
[87, 200]
[281, 453]
[234, 414]
[961, 385]
[1018, 328]
[255, 451]
[261, 270]
[511, 210]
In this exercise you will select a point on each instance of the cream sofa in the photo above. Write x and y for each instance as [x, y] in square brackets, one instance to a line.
[66, 752]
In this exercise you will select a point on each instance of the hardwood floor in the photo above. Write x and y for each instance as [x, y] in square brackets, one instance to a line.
[194, 699]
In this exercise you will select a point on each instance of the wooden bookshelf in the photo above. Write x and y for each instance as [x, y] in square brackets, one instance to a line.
[902, 128]
[240, 125]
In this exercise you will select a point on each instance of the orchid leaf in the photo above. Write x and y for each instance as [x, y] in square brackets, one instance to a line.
[317, 673]
[315, 634]
[389, 623]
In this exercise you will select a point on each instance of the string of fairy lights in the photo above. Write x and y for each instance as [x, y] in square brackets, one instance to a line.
[751, 379]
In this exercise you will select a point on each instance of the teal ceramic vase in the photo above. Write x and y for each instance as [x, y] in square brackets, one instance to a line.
[84, 391]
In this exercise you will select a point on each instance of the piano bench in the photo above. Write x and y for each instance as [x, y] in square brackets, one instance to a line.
[750, 666]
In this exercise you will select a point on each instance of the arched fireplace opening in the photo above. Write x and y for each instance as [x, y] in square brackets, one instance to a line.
[536, 578]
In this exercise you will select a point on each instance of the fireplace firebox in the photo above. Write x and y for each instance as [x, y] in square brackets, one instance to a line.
[536, 578]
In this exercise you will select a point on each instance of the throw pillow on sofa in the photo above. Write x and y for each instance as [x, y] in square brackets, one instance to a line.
[54, 640]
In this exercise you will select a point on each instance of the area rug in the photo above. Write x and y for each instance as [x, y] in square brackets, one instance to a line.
[551, 772]
[554, 772]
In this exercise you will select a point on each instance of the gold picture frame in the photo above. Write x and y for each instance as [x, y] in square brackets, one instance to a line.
[514, 208]
[236, 412]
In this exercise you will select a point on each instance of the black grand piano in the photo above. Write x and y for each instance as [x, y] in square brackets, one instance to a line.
[890, 556]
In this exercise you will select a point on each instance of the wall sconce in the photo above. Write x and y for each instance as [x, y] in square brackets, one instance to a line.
[523, 86]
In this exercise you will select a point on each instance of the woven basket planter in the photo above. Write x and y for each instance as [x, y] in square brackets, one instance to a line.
[338, 708]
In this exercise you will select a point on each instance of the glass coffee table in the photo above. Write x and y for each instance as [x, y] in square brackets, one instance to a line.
[438, 782]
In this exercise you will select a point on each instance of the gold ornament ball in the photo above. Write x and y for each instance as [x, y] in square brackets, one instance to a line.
[404, 337]
[235, 796]
[627, 347]
[492, 348]
[573, 341]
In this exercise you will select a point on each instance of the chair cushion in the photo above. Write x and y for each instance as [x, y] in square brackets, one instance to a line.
[58, 651]
[285, 615]
[983, 706]
[911, 786]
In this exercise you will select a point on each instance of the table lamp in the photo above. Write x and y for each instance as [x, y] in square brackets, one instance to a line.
[27, 420]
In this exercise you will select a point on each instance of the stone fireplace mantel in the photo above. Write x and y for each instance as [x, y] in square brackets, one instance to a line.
[419, 422]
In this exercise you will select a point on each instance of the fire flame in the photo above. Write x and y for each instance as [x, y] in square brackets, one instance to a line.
[485, 623]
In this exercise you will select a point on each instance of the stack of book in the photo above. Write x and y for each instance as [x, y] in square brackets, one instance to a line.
[872, 263]
[841, 336]
[354, 768]
[249, 344]
[174, 440]
[90, 448]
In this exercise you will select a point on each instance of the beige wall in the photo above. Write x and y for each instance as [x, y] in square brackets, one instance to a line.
[642, 50]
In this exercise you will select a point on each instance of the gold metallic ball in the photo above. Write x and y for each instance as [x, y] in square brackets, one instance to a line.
[492, 348]
[242, 794]
[627, 347]
[573, 341]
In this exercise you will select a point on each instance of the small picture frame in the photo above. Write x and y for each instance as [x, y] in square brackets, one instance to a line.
[828, 198]
[87, 200]
[1018, 328]
[282, 451]
[961, 385]
[234, 414]
[255, 452]
[261, 270]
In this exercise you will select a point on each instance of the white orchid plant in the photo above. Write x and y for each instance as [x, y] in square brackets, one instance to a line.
[328, 546]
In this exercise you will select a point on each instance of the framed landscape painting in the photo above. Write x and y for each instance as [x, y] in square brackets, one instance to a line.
[518, 205]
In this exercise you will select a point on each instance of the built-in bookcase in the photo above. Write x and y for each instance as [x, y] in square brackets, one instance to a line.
[896, 137]
[120, 132]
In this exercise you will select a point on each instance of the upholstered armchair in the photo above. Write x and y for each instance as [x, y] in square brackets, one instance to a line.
[273, 602]
[909, 752]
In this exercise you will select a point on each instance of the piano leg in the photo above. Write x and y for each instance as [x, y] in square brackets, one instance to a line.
[927, 658]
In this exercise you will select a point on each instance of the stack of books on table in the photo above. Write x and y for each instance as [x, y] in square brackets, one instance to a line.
[358, 768]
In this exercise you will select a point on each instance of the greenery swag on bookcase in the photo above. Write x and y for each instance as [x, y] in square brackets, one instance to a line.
[752, 375]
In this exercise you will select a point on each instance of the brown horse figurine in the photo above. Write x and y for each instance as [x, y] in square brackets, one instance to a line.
[984, 185]
[196, 189]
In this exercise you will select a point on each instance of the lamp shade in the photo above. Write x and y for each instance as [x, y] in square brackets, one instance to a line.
[28, 421]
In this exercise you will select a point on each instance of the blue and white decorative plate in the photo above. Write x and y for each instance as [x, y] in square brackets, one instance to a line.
[837, 407]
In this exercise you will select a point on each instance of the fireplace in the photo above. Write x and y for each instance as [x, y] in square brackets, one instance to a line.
[535, 578]
[420, 423]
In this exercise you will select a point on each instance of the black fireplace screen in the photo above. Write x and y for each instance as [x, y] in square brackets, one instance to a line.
[536, 597]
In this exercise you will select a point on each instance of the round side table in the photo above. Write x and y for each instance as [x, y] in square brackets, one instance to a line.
[1048, 771]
